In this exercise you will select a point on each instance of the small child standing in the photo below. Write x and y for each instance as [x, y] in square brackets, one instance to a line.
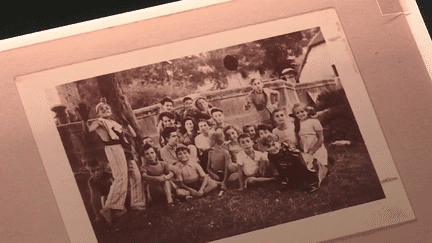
[310, 133]
[190, 175]
[99, 184]
[265, 100]
[156, 174]
[292, 173]
[252, 164]
[219, 166]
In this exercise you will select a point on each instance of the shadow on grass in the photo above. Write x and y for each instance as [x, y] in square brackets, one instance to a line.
[352, 181]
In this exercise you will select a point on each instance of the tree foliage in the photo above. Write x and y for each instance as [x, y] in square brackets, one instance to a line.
[196, 73]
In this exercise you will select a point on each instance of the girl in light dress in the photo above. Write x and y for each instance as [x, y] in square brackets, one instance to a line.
[311, 139]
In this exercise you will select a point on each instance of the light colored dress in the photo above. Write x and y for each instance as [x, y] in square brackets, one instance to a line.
[308, 138]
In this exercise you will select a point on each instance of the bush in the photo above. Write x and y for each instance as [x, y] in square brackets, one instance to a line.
[337, 117]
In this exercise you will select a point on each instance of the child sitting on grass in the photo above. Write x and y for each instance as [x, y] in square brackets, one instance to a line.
[252, 164]
[99, 184]
[190, 175]
[284, 130]
[251, 130]
[156, 174]
[219, 166]
[292, 173]
[231, 135]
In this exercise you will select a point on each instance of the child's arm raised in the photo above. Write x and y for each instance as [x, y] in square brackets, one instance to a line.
[247, 104]
[129, 131]
[93, 126]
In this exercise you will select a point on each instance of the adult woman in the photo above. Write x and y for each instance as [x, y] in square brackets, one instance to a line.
[189, 131]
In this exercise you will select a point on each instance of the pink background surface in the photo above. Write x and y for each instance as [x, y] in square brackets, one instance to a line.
[385, 52]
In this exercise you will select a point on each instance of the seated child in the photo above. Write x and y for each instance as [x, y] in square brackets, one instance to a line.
[191, 176]
[292, 172]
[231, 135]
[252, 164]
[261, 130]
[251, 130]
[149, 140]
[219, 166]
[99, 184]
[156, 174]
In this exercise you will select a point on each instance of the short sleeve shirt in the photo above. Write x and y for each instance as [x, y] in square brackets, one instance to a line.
[161, 168]
[250, 166]
[310, 127]
[189, 172]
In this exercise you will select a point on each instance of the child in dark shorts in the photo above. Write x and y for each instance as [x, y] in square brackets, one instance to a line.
[191, 176]
[219, 166]
[292, 172]
[99, 184]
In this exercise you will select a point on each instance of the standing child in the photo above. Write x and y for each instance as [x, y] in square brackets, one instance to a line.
[112, 135]
[291, 171]
[156, 174]
[310, 133]
[99, 184]
[265, 100]
[190, 176]
[252, 164]
[219, 166]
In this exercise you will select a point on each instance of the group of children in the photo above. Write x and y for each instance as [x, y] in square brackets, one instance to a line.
[202, 152]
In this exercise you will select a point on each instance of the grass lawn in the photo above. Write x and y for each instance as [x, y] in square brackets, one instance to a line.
[352, 181]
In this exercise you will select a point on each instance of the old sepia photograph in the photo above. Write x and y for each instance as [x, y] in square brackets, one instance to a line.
[198, 142]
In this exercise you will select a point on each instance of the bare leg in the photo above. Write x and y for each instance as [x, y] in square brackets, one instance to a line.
[167, 190]
[233, 177]
[255, 180]
[322, 172]
[211, 185]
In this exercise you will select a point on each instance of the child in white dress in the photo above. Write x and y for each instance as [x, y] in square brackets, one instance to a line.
[310, 134]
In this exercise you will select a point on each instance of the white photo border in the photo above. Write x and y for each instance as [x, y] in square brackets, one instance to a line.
[393, 209]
